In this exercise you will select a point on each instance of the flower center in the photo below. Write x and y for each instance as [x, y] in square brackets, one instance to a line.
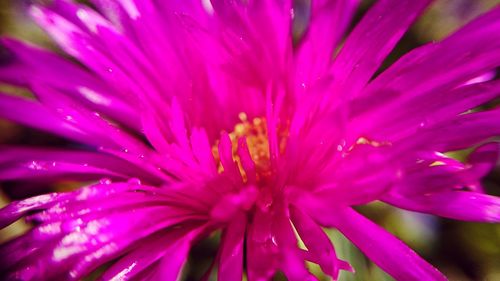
[256, 134]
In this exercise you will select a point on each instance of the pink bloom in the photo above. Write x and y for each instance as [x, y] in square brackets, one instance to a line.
[199, 117]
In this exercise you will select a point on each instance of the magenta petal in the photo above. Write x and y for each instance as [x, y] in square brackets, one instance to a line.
[170, 266]
[437, 172]
[329, 20]
[459, 205]
[15, 210]
[82, 45]
[78, 232]
[262, 260]
[404, 116]
[169, 244]
[319, 247]
[461, 132]
[425, 180]
[372, 40]
[202, 151]
[231, 250]
[155, 132]
[59, 73]
[38, 163]
[477, 53]
[33, 114]
[177, 124]
[151, 85]
[226, 158]
[114, 239]
[385, 250]
[79, 125]
[484, 158]
[292, 262]
[272, 246]
[91, 122]
[247, 161]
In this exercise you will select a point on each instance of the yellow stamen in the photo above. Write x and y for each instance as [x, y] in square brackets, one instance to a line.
[255, 132]
[363, 140]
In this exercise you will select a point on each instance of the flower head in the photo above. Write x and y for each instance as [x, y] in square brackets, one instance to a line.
[200, 116]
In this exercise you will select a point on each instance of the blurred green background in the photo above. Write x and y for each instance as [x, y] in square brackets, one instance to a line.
[463, 251]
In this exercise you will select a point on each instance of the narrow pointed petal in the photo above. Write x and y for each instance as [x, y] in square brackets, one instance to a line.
[329, 19]
[399, 119]
[461, 132]
[485, 158]
[385, 250]
[477, 54]
[231, 250]
[37, 163]
[319, 247]
[77, 231]
[372, 40]
[34, 115]
[47, 68]
[170, 266]
[169, 245]
[459, 205]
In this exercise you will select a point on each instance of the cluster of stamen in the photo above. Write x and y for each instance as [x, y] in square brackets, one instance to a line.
[256, 135]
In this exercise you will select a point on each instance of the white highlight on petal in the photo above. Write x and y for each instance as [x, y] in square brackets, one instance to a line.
[207, 5]
[50, 229]
[121, 275]
[28, 203]
[84, 194]
[35, 165]
[63, 252]
[94, 226]
[93, 96]
[481, 78]
[61, 30]
[130, 8]
[92, 20]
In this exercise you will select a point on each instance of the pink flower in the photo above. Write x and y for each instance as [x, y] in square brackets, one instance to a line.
[198, 117]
